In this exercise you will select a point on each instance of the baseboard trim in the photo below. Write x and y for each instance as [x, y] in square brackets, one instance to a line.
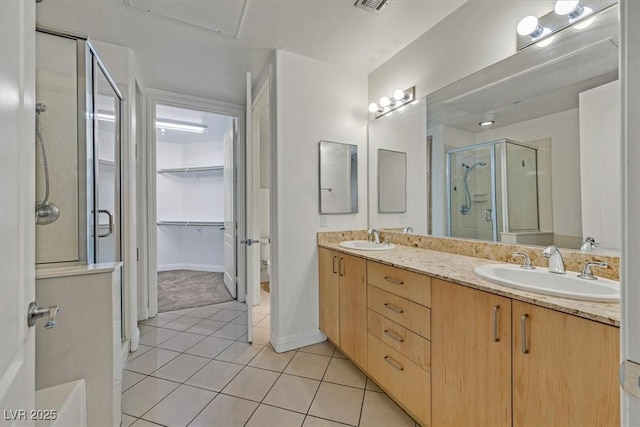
[143, 314]
[197, 267]
[135, 340]
[292, 342]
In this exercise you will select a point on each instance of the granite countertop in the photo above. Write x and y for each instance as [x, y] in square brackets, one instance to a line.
[459, 269]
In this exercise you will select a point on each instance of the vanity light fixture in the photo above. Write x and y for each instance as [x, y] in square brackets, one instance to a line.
[578, 14]
[386, 104]
[164, 125]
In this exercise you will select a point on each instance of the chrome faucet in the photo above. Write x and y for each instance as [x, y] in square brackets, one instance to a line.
[589, 244]
[556, 263]
[373, 235]
[407, 230]
[526, 262]
[586, 270]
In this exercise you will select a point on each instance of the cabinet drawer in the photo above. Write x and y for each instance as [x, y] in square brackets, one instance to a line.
[413, 316]
[411, 345]
[409, 384]
[412, 286]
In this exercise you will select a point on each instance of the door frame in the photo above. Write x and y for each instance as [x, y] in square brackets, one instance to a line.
[154, 97]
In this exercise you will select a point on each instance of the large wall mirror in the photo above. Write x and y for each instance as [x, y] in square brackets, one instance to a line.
[531, 177]
[338, 178]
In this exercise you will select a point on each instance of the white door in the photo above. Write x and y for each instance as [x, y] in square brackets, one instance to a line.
[601, 150]
[17, 210]
[229, 212]
[252, 203]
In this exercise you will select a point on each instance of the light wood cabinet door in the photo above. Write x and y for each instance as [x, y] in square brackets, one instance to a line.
[565, 369]
[329, 294]
[353, 308]
[470, 357]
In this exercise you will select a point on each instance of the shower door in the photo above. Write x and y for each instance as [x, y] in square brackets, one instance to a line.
[471, 193]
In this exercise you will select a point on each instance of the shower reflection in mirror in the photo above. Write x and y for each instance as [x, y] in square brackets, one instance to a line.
[493, 190]
[46, 211]
[392, 181]
[338, 178]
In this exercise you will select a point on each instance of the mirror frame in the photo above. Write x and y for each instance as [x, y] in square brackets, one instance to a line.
[353, 179]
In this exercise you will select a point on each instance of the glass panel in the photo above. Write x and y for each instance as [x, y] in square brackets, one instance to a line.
[56, 149]
[522, 188]
[471, 202]
[392, 181]
[107, 141]
[338, 178]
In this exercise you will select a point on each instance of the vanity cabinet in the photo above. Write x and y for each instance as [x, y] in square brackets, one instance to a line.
[343, 303]
[500, 362]
[471, 340]
[565, 369]
[399, 336]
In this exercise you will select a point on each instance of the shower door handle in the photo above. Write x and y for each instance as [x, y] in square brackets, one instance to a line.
[488, 215]
[110, 215]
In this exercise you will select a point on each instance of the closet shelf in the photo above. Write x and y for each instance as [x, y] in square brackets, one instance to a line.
[193, 223]
[194, 169]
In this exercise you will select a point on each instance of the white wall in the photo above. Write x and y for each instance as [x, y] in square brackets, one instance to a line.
[314, 101]
[477, 34]
[404, 131]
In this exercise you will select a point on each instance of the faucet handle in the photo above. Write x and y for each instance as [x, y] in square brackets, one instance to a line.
[586, 270]
[526, 262]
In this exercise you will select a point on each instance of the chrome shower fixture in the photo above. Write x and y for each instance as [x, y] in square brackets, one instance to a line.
[466, 206]
[46, 211]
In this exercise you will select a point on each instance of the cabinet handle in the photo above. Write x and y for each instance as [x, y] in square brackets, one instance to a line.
[394, 281]
[496, 338]
[523, 325]
[334, 264]
[341, 267]
[393, 308]
[393, 336]
[395, 365]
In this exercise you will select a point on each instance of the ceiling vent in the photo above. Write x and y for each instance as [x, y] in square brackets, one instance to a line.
[373, 6]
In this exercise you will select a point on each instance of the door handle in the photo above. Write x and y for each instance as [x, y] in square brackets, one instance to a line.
[34, 312]
[249, 242]
[110, 215]
[496, 336]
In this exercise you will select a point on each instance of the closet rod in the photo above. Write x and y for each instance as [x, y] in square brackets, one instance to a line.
[192, 223]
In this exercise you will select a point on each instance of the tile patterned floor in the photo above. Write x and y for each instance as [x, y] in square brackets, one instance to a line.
[195, 368]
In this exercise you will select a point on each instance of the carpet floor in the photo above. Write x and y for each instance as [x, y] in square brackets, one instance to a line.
[178, 289]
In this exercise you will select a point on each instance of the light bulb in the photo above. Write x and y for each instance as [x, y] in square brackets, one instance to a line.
[573, 8]
[528, 26]
[546, 42]
[585, 22]
[398, 94]
[385, 101]
[486, 123]
[373, 107]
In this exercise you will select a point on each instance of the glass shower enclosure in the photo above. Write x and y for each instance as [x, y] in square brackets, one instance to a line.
[492, 188]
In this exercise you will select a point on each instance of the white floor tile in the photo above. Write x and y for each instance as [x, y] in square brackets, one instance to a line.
[268, 416]
[310, 421]
[180, 407]
[264, 323]
[342, 371]
[225, 411]
[324, 348]
[126, 420]
[230, 331]
[227, 315]
[181, 368]
[206, 327]
[183, 323]
[308, 365]
[293, 393]
[209, 347]
[261, 336]
[181, 342]
[251, 383]
[129, 379]
[338, 403]
[239, 352]
[157, 336]
[379, 410]
[144, 395]
[215, 375]
[142, 349]
[151, 361]
[269, 359]
[204, 312]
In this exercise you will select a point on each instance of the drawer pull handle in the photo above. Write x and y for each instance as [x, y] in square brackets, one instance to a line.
[393, 308]
[523, 325]
[394, 281]
[393, 336]
[334, 264]
[395, 365]
[496, 337]
[341, 267]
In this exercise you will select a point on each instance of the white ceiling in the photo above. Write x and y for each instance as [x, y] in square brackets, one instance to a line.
[187, 58]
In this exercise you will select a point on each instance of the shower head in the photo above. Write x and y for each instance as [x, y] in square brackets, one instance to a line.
[469, 168]
[41, 108]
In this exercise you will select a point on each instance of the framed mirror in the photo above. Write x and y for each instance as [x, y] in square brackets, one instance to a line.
[392, 181]
[338, 190]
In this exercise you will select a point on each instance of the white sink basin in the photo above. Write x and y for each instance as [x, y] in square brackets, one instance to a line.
[541, 281]
[364, 245]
